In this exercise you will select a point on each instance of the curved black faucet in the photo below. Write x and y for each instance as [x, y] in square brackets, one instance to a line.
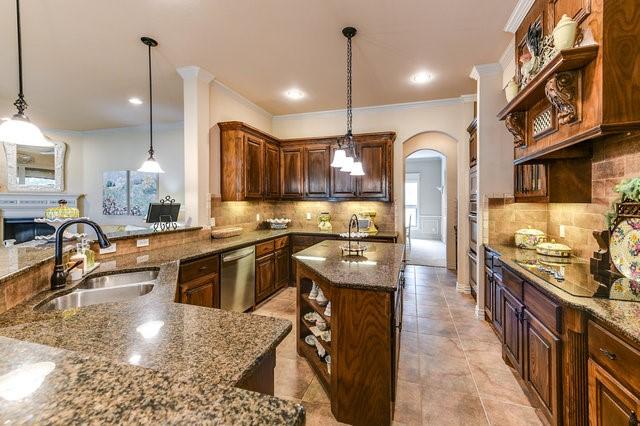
[59, 276]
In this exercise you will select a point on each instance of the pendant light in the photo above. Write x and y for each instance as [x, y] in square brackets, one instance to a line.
[19, 130]
[151, 165]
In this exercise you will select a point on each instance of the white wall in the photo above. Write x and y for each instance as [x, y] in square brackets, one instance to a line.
[430, 171]
[228, 105]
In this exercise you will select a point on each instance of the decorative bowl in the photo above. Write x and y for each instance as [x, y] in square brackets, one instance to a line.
[553, 249]
[279, 223]
[529, 238]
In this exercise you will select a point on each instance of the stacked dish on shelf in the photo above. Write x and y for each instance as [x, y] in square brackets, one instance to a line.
[319, 327]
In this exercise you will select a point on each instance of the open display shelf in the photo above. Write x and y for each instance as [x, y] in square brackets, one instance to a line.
[316, 307]
[533, 92]
[318, 365]
[325, 345]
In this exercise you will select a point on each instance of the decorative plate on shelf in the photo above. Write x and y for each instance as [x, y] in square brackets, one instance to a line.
[310, 340]
[625, 289]
[625, 248]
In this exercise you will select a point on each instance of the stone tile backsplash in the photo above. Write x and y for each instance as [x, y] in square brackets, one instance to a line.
[243, 213]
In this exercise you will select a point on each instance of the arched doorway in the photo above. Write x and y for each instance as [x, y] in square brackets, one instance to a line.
[425, 207]
[434, 147]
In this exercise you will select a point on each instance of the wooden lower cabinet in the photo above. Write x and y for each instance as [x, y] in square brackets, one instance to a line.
[489, 294]
[282, 260]
[199, 282]
[542, 358]
[497, 315]
[610, 402]
[512, 332]
[265, 276]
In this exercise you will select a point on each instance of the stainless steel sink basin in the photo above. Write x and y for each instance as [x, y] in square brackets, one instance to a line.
[117, 280]
[105, 289]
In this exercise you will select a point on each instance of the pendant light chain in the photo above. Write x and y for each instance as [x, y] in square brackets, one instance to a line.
[349, 90]
[20, 103]
[150, 107]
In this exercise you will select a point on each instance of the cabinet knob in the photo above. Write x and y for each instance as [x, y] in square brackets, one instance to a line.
[609, 355]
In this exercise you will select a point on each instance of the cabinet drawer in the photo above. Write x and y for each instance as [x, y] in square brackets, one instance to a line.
[622, 360]
[488, 258]
[303, 240]
[548, 312]
[265, 248]
[281, 242]
[513, 283]
[199, 268]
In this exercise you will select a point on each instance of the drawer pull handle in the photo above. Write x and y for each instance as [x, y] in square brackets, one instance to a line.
[608, 354]
[202, 268]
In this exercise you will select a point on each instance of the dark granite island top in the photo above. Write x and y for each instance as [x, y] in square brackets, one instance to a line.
[45, 385]
[378, 269]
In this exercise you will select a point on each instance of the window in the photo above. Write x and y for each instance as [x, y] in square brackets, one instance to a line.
[411, 199]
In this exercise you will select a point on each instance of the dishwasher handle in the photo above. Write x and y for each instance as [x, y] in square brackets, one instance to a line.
[233, 257]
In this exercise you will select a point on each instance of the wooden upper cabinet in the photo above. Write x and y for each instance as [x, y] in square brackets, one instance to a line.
[316, 171]
[271, 170]
[291, 172]
[343, 185]
[253, 167]
[376, 166]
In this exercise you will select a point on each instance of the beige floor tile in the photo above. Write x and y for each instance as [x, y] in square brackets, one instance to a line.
[409, 343]
[431, 345]
[443, 364]
[437, 327]
[499, 384]
[500, 413]
[458, 381]
[409, 368]
[451, 409]
[292, 377]
[318, 414]
[408, 409]
[316, 393]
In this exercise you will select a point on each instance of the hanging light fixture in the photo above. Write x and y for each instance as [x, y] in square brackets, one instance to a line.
[345, 156]
[151, 165]
[19, 130]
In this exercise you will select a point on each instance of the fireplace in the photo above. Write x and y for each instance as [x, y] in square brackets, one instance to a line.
[24, 229]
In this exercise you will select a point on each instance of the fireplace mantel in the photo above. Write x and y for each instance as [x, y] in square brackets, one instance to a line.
[20, 205]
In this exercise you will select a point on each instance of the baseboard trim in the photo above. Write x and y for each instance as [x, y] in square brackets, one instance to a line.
[479, 312]
[464, 289]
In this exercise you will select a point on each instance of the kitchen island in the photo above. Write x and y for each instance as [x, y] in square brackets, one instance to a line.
[365, 322]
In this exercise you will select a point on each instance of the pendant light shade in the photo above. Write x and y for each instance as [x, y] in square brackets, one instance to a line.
[338, 158]
[357, 170]
[347, 165]
[19, 130]
[151, 165]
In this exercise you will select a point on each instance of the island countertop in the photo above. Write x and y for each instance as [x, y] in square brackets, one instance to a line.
[378, 269]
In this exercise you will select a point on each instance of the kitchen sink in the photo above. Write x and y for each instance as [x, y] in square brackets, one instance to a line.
[104, 289]
[117, 280]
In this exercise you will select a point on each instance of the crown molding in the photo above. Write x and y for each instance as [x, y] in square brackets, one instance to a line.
[242, 99]
[473, 97]
[518, 14]
[485, 69]
[407, 105]
[507, 58]
[193, 71]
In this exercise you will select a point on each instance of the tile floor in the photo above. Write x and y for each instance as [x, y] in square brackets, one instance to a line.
[451, 370]
[427, 253]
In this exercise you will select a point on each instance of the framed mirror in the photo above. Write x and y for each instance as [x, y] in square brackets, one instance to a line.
[35, 169]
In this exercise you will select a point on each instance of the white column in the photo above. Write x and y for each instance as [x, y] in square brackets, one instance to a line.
[495, 157]
[196, 144]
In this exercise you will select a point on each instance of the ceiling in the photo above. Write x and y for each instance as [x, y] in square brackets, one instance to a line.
[83, 59]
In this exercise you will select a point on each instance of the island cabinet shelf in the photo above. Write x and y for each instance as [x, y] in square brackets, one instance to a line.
[364, 326]
[566, 60]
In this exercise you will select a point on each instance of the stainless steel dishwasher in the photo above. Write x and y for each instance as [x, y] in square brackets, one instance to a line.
[237, 292]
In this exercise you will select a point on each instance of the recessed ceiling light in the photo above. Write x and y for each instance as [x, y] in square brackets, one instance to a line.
[421, 77]
[294, 94]
[135, 101]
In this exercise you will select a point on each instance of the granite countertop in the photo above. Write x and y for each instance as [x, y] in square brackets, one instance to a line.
[125, 235]
[204, 347]
[45, 385]
[378, 269]
[622, 316]
[18, 260]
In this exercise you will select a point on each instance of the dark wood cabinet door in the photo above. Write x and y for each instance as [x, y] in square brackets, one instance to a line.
[512, 330]
[253, 167]
[542, 359]
[489, 293]
[271, 171]
[375, 164]
[316, 171]
[291, 172]
[282, 268]
[343, 185]
[201, 292]
[265, 277]
[497, 316]
[610, 403]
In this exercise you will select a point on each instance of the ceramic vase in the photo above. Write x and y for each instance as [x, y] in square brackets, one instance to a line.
[314, 291]
[321, 299]
[327, 311]
[564, 34]
[511, 90]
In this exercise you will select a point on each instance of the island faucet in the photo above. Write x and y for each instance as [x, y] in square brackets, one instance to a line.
[59, 276]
